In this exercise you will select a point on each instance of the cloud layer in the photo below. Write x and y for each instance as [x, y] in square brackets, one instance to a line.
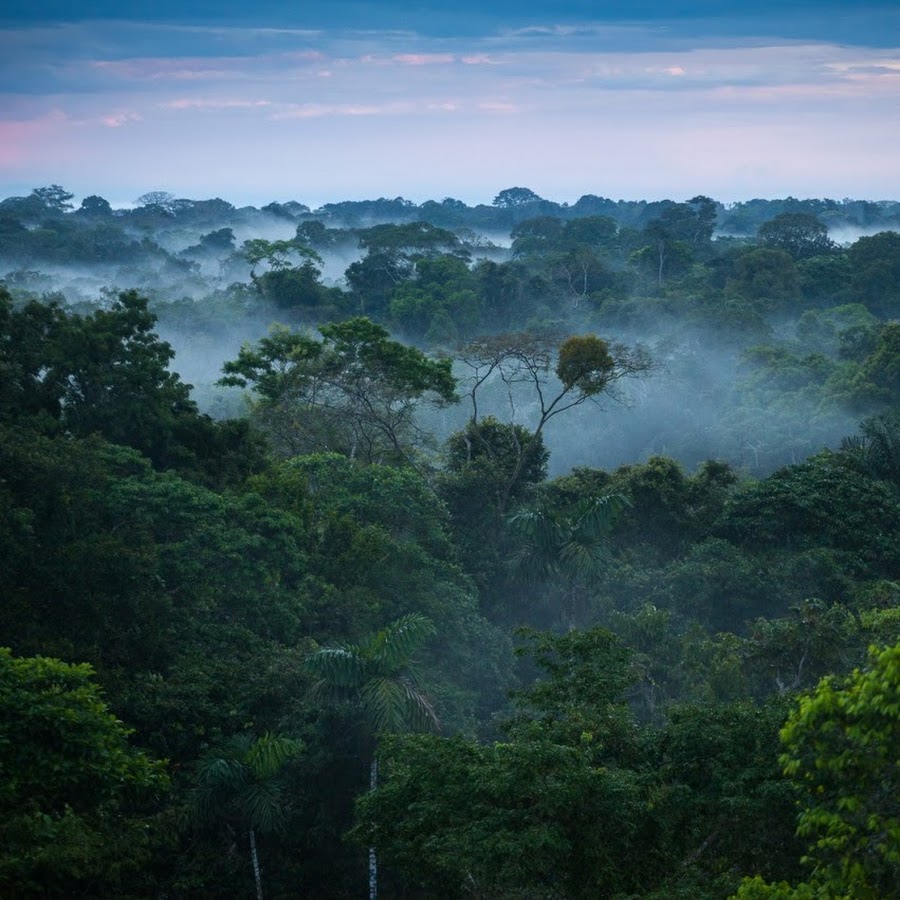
[640, 109]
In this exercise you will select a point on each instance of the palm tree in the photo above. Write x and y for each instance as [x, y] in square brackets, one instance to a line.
[572, 549]
[240, 784]
[877, 450]
[376, 673]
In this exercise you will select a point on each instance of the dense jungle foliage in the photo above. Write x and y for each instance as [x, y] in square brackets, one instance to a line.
[527, 550]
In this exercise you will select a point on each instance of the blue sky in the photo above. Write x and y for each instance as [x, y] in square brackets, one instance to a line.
[323, 101]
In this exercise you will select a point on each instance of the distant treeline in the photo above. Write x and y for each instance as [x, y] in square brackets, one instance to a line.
[37, 226]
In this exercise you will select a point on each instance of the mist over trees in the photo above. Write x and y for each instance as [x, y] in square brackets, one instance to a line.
[518, 550]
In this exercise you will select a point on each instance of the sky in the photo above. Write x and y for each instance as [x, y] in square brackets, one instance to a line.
[325, 101]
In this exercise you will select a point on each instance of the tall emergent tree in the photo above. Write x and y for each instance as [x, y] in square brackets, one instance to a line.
[354, 391]
[377, 674]
[554, 375]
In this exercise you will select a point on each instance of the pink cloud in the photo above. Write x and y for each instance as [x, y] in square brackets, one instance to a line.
[117, 120]
[152, 68]
[410, 59]
[423, 59]
[318, 110]
[208, 103]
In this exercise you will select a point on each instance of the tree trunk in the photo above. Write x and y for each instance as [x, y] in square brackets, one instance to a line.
[373, 860]
[256, 873]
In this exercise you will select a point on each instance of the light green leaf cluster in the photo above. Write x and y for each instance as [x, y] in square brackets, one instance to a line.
[843, 747]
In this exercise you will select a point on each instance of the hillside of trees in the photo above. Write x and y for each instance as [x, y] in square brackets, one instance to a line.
[511, 551]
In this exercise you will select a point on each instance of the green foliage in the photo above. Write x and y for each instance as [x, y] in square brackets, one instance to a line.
[239, 784]
[841, 745]
[138, 573]
[197, 575]
[841, 748]
[520, 819]
[823, 502]
[481, 468]
[572, 548]
[816, 638]
[584, 362]
[800, 234]
[378, 672]
[488, 445]
[722, 801]
[767, 275]
[381, 537]
[586, 675]
[355, 390]
[545, 813]
[877, 449]
[667, 508]
[875, 271]
[107, 373]
[718, 584]
[240, 787]
[516, 196]
[441, 304]
[71, 785]
[277, 253]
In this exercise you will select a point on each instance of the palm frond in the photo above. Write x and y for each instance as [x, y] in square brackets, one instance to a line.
[395, 704]
[339, 667]
[373, 671]
[262, 805]
[203, 807]
[584, 557]
[391, 648]
[269, 753]
[596, 516]
[422, 714]
[537, 526]
[221, 772]
[540, 537]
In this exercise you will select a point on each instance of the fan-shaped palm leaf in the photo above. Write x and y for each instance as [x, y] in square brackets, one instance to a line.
[541, 537]
[583, 557]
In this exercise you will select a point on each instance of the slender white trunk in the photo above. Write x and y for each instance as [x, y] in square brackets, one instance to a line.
[256, 873]
[373, 860]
